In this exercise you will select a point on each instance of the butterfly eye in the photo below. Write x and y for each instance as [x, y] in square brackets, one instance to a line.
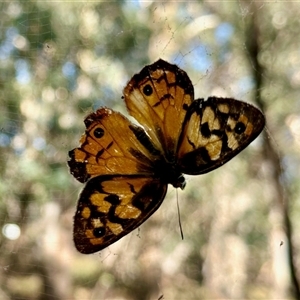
[98, 133]
[148, 90]
[239, 128]
[99, 232]
[181, 182]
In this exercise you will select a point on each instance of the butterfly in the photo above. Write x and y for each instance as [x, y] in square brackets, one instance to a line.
[127, 166]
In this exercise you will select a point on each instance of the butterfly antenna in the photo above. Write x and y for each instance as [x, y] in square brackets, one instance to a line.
[179, 219]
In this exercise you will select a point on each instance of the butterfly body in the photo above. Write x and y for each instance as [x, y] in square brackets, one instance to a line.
[128, 167]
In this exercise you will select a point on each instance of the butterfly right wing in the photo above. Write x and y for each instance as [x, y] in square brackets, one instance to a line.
[215, 131]
[111, 206]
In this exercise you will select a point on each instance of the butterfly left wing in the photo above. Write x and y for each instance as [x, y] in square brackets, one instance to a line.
[158, 98]
[111, 206]
[214, 131]
[111, 145]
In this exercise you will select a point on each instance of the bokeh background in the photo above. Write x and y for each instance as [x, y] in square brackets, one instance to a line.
[61, 60]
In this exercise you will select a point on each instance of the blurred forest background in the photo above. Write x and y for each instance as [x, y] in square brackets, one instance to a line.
[59, 61]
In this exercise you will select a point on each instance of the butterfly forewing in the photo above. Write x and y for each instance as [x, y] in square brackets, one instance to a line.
[215, 131]
[158, 98]
[110, 207]
[109, 146]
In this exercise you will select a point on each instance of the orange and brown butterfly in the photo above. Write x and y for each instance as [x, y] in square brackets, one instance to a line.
[128, 167]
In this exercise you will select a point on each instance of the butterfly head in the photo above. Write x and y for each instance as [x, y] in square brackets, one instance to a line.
[180, 182]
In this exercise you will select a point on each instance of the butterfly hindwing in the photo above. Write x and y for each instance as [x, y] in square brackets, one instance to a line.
[215, 131]
[158, 98]
[111, 206]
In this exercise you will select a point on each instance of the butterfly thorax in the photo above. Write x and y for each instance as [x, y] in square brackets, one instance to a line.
[164, 165]
[168, 172]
